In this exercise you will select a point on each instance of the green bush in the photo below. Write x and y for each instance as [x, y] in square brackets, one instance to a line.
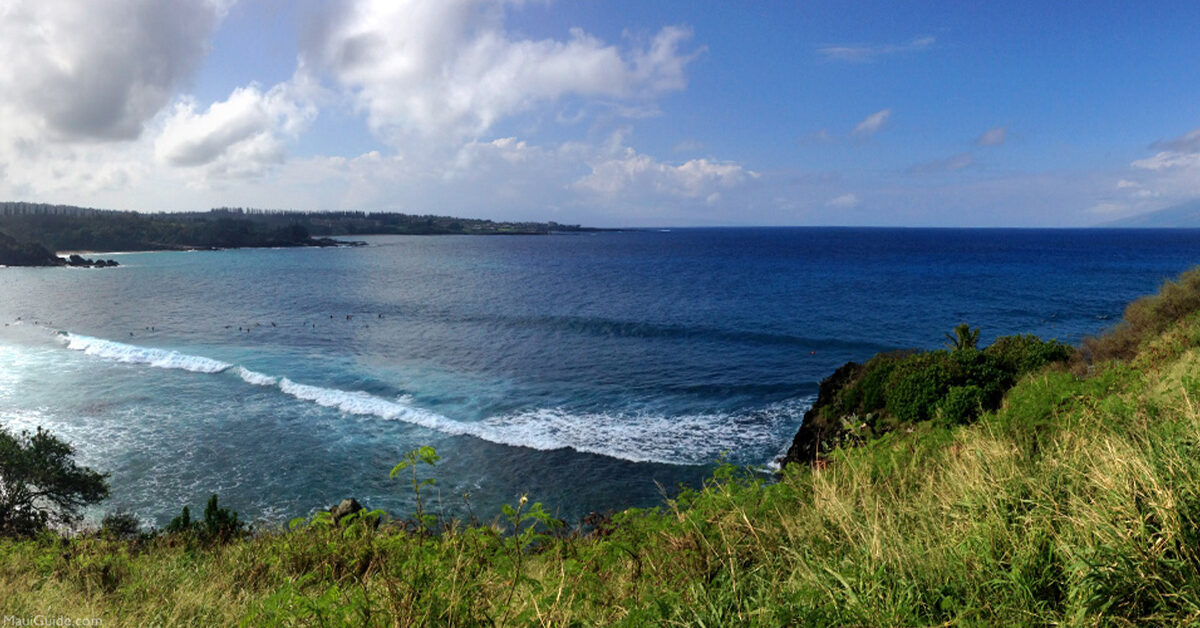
[917, 384]
[905, 387]
[1026, 353]
[869, 394]
[961, 405]
[120, 525]
[219, 524]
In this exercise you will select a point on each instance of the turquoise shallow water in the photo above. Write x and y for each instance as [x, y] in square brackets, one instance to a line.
[589, 371]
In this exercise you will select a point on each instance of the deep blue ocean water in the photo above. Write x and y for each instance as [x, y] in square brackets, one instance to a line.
[591, 372]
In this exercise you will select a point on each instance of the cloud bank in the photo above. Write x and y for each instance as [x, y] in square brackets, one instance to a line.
[449, 68]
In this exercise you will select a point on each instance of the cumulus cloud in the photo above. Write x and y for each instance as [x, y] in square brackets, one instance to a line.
[449, 67]
[240, 135]
[859, 53]
[641, 174]
[97, 71]
[992, 137]
[872, 123]
[845, 201]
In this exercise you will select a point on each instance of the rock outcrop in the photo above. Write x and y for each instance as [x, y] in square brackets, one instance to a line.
[17, 253]
[82, 262]
[817, 431]
[347, 506]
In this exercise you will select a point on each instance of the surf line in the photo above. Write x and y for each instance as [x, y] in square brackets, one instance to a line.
[675, 440]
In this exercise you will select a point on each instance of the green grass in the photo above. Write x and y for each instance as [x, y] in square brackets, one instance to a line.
[1077, 502]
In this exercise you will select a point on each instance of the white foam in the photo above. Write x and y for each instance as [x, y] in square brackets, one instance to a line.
[685, 439]
[688, 439]
[256, 378]
[132, 354]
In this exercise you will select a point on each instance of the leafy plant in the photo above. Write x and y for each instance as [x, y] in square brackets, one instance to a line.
[218, 524]
[41, 483]
[964, 337]
[412, 461]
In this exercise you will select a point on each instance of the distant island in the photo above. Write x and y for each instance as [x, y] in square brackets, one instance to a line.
[30, 233]
[1181, 216]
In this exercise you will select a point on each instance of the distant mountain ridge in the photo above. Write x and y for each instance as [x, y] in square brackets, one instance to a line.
[1181, 216]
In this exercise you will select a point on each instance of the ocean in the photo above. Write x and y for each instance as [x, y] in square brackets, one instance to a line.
[590, 372]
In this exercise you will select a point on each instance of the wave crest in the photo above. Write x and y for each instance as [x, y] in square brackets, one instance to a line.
[133, 354]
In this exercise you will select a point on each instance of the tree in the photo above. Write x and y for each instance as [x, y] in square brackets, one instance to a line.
[964, 338]
[41, 483]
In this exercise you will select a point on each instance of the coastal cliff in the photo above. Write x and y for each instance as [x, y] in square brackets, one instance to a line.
[898, 390]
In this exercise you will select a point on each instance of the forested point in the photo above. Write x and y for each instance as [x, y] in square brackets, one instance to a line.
[68, 228]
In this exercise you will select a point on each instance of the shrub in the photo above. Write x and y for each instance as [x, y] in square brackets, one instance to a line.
[219, 524]
[40, 483]
[120, 525]
[872, 385]
[916, 385]
[961, 405]
[1026, 353]
[1144, 318]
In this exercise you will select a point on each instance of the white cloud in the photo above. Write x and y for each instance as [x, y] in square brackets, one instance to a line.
[448, 68]
[872, 123]
[98, 71]
[992, 137]
[864, 53]
[640, 176]
[845, 201]
[1168, 160]
[238, 136]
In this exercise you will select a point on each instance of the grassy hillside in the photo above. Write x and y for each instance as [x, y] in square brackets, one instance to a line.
[1077, 501]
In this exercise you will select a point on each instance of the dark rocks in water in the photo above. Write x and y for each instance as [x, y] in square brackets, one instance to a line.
[323, 242]
[817, 432]
[348, 506]
[78, 261]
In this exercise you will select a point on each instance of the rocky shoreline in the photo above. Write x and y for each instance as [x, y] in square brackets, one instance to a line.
[32, 254]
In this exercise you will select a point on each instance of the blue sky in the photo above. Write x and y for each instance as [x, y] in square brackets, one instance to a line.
[608, 113]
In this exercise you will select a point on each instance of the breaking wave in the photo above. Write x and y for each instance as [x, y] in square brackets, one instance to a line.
[693, 439]
[132, 354]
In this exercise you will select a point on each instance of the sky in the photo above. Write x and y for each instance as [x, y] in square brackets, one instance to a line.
[607, 113]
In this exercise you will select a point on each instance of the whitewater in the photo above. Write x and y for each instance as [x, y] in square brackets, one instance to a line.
[681, 440]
